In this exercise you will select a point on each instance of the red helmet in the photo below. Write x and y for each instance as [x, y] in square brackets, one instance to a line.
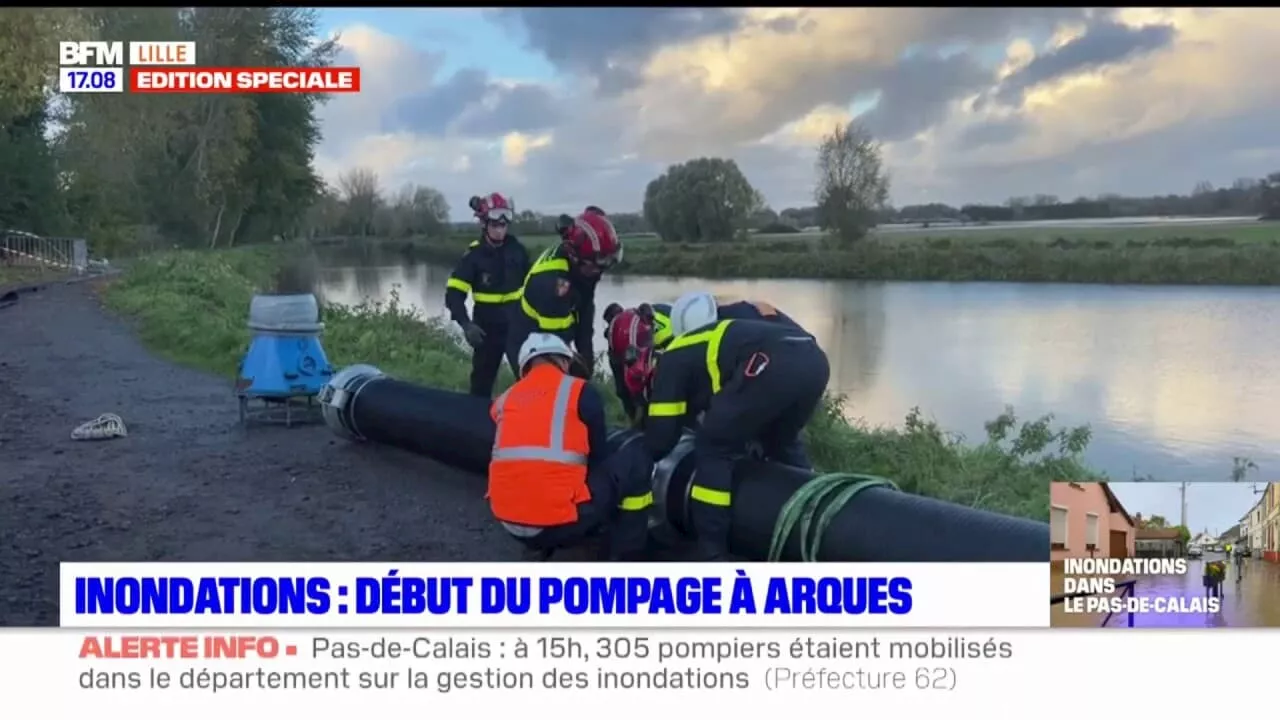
[630, 332]
[591, 238]
[494, 207]
[639, 373]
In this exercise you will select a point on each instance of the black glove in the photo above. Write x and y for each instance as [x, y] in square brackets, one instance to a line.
[474, 334]
[581, 367]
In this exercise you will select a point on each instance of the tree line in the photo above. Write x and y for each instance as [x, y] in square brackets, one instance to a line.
[710, 200]
[158, 171]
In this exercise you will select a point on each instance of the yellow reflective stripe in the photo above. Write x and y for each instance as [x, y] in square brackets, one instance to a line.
[544, 322]
[668, 409]
[474, 244]
[456, 284]
[496, 297]
[545, 263]
[707, 496]
[549, 265]
[712, 338]
[636, 502]
[661, 330]
[713, 356]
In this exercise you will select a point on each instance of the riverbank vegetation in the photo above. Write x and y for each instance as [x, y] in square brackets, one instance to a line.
[191, 307]
[1219, 254]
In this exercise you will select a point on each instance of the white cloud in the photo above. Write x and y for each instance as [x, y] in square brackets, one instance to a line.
[765, 92]
[516, 147]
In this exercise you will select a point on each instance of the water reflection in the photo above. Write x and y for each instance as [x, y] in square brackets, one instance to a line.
[1175, 381]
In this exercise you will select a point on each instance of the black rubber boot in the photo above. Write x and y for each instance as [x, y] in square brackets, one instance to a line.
[711, 524]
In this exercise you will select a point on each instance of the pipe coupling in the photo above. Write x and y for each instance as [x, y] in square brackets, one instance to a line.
[338, 398]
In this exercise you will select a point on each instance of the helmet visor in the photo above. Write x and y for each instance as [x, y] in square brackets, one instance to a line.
[501, 216]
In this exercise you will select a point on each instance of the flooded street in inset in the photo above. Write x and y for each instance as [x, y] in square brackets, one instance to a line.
[1250, 598]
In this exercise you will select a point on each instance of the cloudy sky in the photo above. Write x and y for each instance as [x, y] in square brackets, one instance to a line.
[1212, 505]
[562, 107]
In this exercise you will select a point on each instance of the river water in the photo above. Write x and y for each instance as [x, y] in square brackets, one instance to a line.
[1174, 381]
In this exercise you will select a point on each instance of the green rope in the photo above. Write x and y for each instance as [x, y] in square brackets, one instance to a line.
[815, 504]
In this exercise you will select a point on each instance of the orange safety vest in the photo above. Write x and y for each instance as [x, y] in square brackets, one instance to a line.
[538, 470]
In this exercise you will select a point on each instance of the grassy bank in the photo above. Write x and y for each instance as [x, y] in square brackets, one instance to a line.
[1243, 254]
[191, 307]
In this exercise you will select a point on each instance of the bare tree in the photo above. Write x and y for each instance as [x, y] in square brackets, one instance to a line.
[359, 189]
[430, 210]
[852, 184]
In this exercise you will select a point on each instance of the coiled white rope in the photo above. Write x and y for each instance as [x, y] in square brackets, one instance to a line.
[105, 427]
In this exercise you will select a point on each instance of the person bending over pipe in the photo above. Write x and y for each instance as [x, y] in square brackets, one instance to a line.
[648, 328]
[754, 381]
[491, 271]
[552, 481]
[559, 294]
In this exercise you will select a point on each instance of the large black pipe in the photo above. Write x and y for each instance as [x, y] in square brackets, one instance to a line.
[877, 525]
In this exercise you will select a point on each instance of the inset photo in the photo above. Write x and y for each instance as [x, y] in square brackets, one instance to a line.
[1166, 555]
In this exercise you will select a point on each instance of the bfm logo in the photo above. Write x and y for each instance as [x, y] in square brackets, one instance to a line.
[83, 52]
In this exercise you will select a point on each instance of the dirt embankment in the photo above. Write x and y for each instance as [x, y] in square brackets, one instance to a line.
[189, 483]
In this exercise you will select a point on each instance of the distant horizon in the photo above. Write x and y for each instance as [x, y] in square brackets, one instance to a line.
[982, 106]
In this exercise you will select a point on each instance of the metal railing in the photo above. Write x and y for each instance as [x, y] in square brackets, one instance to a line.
[1126, 591]
[28, 250]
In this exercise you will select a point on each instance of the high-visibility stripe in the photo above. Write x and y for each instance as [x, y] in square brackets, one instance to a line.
[712, 337]
[661, 330]
[668, 409]
[708, 496]
[636, 502]
[546, 263]
[554, 450]
[496, 298]
[481, 297]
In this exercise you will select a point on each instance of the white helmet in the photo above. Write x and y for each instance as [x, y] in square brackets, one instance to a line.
[539, 344]
[692, 311]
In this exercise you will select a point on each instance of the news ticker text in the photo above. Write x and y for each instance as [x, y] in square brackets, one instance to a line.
[456, 662]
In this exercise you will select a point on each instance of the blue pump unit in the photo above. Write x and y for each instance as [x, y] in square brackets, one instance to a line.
[285, 361]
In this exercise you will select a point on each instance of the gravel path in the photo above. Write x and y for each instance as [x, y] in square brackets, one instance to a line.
[188, 483]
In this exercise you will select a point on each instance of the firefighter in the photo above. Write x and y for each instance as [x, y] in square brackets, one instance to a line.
[559, 293]
[491, 271]
[752, 381]
[552, 481]
[629, 332]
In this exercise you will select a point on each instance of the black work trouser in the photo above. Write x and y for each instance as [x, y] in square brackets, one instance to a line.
[486, 360]
[769, 400]
[621, 495]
